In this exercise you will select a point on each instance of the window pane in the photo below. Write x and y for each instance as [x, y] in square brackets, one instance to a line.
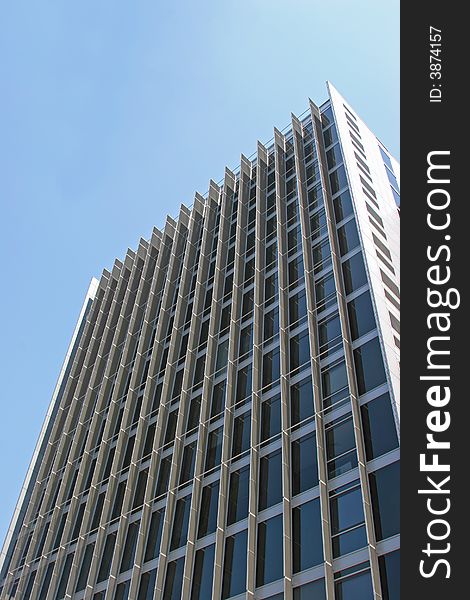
[271, 367]
[369, 366]
[385, 491]
[208, 514]
[203, 572]
[155, 535]
[127, 561]
[354, 273]
[340, 446]
[107, 557]
[343, 206]
[380, 432]
[297, 307]
[85, 569]
[218, 398]
[187, 464]
[358, 586]
[304, 464]
[270, 418]
[241, 434]
[147, 585]
[348, 237]
[234, 578]
[270, 484]
[307, 543]
[390, 575]
[301, 401]
[238, 495]
[122, 590]
[361, 315]
[269, 562]
[299, 350]
[180, 524]
[311, 591]
[335, 386]
[214, 448]
[174, 580]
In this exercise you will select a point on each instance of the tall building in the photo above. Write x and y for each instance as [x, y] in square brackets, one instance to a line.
[225, 424]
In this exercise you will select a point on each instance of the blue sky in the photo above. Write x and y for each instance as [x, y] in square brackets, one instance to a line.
[113, 113]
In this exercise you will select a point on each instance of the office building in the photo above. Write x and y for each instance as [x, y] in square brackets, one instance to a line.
[226, 422]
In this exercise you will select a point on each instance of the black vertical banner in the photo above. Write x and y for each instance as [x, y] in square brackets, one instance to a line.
[435, 242]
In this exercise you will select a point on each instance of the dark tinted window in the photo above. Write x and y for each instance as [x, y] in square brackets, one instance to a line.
[155, 535]
[214, 448]
[385, 491]
[208, 514]
[348, 237]
[238, 495]
[369, 366]
[127, 561]
[311, 591]
[234, 577]
[269, 561]
[390, 575]
[355, 587]
[354, 273]
[380, 433]
[304, 464]
[270, 483]
[270, 418]
[361, 315]
[179, 533]
[241, 434]
[174, 580]
[307, 546]
[203, 571]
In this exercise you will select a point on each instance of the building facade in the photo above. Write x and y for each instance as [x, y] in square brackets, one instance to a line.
[226, 423]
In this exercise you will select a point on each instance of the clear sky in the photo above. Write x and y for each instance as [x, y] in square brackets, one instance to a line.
[112, 114]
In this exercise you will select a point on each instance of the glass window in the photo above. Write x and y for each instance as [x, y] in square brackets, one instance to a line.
[246, 340]
[140, 489]
[238, 495]
[241, 434]
[271, 367]
[335, 387]
[147, 585]
[171, 426]
[307, 545]
[194, 412]
[64, 577]
[352, 588]
[330, 136]
[128, 554]
[318, 225]
[299, 350]
[218, 398]
[244, 383]
[338, 180]
[385, 492]
[187, 464]
[304, 464]
[370, 370]
[325, 292]
[301, 395]
[342, 206]
[85, 569]
[155, 535]
[389, 565]
[334, 156]
[270, 481]
[340, 446]
[203, 572]
[354, 273]
[214, 448]
[270, 418]
[380, 432]
[179, 533]
[174, 580]
[348, 237]
[311, 591]
[148, 445]
[208, 513]
[271, 324]
[122, 590]
[269, 560]
[297, 308]
[105, 566]
[361, 315]
[329, 334]
[347, 519]
[321, 256]
[163, 475]
[234, 577]
[296, 272]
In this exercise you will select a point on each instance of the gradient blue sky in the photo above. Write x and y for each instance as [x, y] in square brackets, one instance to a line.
[113, 113]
